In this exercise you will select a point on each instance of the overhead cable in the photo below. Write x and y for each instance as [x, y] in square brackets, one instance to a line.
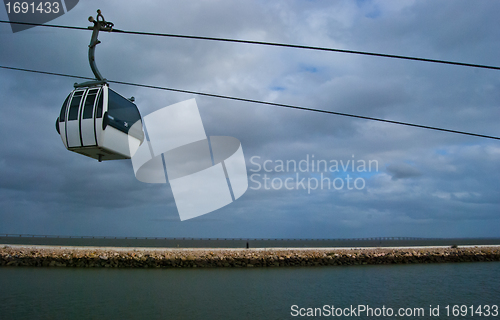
[263, 102]
[275, 44]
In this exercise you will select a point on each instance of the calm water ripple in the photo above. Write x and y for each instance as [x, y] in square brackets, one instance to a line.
[249, 293]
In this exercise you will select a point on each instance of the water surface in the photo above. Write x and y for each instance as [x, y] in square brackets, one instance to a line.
[239, 293]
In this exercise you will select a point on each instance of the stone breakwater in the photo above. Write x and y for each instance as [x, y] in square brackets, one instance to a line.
[208, 258]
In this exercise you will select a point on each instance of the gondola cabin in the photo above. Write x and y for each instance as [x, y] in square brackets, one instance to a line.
[96, 122]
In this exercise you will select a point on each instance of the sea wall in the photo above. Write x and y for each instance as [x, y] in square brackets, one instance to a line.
[85, 257]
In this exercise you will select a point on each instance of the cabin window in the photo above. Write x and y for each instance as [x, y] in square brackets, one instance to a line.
[73, 107]
[124, 112]
[98, 111]
[62, 116]
[88, 108]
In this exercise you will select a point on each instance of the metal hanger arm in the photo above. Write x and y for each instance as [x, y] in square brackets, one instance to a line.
[99, 25]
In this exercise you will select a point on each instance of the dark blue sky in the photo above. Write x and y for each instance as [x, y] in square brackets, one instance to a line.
[427, 183]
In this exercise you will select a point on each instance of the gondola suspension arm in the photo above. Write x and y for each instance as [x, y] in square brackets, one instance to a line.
[100, 24]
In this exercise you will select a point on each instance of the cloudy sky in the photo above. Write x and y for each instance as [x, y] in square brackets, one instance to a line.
[427, 183]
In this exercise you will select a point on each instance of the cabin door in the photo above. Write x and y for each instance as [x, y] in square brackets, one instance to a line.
[87, 123]
[73, 121]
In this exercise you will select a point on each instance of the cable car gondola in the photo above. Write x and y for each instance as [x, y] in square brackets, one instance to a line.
[95, 121]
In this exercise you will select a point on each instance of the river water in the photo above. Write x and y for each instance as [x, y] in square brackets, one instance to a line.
[250, 293]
